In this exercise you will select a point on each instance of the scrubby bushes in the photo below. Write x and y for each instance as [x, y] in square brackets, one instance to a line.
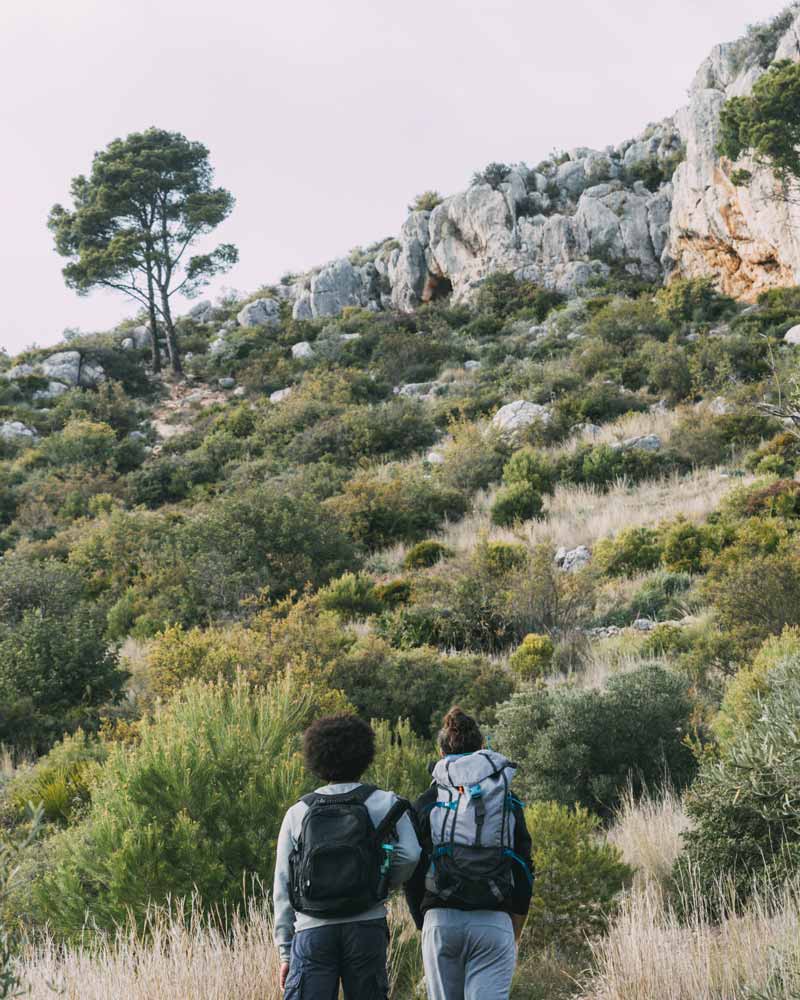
[578, 876]
[195, 805]
[744, 803]
[585, 746]
[533, 657]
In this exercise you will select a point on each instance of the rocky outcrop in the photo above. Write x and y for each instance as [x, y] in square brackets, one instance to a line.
[260, 312]
[70, 369]
[17, 432]
[745, 237]
[576, 216]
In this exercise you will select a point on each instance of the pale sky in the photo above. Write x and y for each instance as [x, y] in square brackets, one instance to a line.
[323, 117]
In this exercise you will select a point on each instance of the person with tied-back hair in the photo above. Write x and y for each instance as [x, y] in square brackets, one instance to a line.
[472, 889]
[340, 850]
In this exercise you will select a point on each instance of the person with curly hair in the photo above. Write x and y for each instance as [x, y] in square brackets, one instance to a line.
[341, 849]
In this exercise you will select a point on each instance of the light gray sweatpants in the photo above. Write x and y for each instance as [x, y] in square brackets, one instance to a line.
[468, 954]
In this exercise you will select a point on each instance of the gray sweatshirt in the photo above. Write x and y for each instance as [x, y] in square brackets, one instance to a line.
[404, 860]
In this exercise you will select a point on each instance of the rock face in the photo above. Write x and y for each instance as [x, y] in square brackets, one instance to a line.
[792, 336]
[336, 286]
[746, 238]
[261, 312]
[68, 369]
[302, 350]
[574, 217]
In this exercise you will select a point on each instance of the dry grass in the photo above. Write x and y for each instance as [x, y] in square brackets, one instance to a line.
[660, 422]
[580, 515]
[187, 956]
[650, 955]
[649, 834]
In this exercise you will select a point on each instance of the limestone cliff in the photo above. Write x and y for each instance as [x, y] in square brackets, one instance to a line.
[660, 205]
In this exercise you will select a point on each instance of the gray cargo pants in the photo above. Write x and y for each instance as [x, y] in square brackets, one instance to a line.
[468, 954]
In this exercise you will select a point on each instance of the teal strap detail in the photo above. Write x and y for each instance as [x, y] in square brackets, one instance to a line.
[475, 791]
[520, 861]
[445, 805]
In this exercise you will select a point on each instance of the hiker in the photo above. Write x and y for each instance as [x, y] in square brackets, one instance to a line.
[472, 889]
[340, 850]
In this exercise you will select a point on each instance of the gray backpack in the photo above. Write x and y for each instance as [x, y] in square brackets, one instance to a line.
[472, 831]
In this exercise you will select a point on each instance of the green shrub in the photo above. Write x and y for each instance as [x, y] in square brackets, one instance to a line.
[693, 300]
[502, 295]
[351, 596]
[393, 593]
[683, 545]
[60, 781]
[585, 746]
[578, 875]
[473, 458]
[746, 690]
[194, 806]
[396, 505]
[402, 759]
[518, 502]
[425, 554]
[425, 202]
[417, 684]
[533, 658]
[531, 467]
[500, 558]
[493, 174]
[632, 551]
[743, 804]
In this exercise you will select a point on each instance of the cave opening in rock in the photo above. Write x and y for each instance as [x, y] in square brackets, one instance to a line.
[437, 287]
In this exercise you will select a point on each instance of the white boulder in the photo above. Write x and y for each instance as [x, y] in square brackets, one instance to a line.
[261, 312]
[16, 431]
[518, 415]
[571, 560]
[280, 394]
[226, 382]
[302, 350]
[792, 336]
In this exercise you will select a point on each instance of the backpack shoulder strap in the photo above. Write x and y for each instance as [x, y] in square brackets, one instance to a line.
[392, 817]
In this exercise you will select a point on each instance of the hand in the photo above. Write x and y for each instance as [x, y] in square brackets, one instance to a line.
[518, 921]
[283, 974]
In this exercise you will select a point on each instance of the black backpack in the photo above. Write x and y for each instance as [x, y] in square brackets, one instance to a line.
[340, 866]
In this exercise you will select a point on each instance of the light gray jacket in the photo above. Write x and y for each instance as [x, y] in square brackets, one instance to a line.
[404, 860]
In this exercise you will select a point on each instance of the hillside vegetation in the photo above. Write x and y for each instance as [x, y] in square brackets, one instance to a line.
[576, 516]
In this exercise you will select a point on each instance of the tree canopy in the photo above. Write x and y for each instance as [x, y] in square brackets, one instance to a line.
[766, 125]
[146, 201]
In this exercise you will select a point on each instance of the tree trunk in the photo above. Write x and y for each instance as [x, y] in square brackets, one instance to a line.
[172, 339]
[156, 350]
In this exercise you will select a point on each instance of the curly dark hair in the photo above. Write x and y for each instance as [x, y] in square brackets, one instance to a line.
[339, 747]
[459, 733]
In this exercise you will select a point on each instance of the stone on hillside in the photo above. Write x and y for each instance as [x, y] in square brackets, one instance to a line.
[64, 366]
[472, 366]
[720, 406]
[572, 559]
[280, 394]
[302, 350]
[15, 430]
[19, 371]
[52, 390]
[792, 336]
[127, 344]
[518, 415]
[434, 458]
[643, 625]
[137, 436]
[226, 382]
[91, 375]
[201, 312]
[261, 312]
[218, 344]
[140, 337]
[240, 391]
[416, 388]
[644, 442]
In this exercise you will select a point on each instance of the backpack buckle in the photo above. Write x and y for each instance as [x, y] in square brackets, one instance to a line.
[475, 791]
